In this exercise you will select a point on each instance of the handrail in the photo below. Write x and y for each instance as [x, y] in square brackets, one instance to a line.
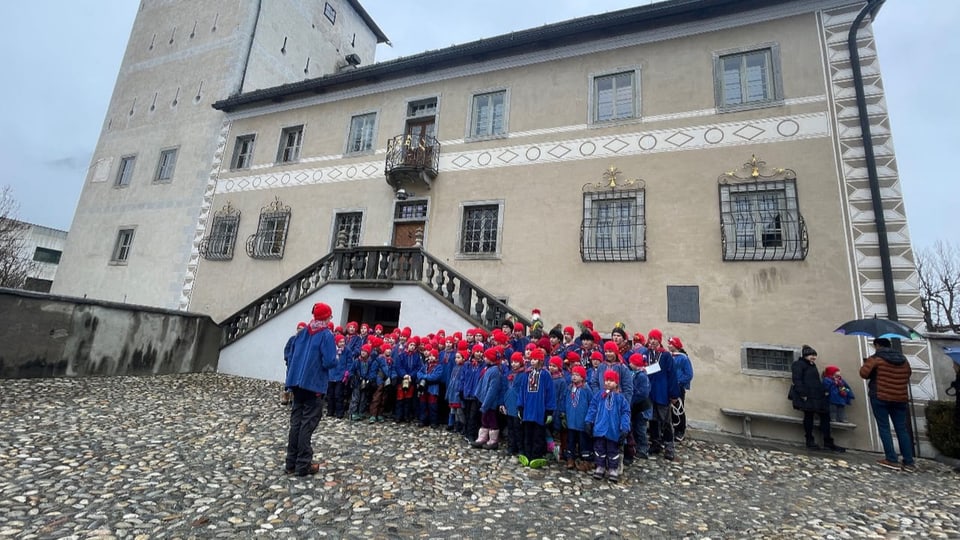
[383, 264]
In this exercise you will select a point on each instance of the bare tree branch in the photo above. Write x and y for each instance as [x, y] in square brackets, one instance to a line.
[939, 271]
[15, 263]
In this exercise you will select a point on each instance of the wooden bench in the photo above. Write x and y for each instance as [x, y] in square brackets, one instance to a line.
[748, 416]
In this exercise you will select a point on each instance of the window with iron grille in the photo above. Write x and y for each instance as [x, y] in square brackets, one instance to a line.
[166, 164]
[243, 152]
[271, 236]
[349, 223]
[480, 229]
[223, 235]
[122, 247]
[771, 359]
[361, 133]
[125, 171]
[614, 226]
[410, 210]
[290, 141]
[761, 221]
[747, 78]
[488, 118]
[614, 97]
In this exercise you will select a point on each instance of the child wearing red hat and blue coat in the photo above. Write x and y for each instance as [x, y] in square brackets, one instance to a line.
[609, 421]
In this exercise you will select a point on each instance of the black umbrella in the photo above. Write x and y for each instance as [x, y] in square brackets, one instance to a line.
[877, 328]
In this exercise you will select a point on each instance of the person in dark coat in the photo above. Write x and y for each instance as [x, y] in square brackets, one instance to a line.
[809, 396]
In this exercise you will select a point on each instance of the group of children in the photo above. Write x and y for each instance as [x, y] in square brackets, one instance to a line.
[593, 404]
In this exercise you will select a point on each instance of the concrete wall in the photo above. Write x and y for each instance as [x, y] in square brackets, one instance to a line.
[260, 353]
[52, 336]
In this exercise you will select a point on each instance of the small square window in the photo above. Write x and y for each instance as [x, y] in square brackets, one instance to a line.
[123, 245]
[290, 140]
[350, 224]
[410, 210]
[488, 118]
[480, 230]
[767, 359]
[361, 133]
[125, 171]
[166, 164]
[243, 152]
[748, 79]
[614, 97]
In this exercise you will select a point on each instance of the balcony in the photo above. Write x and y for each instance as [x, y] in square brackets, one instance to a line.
[412, 159]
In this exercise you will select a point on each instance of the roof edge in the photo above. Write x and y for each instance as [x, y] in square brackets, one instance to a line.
[381, 37]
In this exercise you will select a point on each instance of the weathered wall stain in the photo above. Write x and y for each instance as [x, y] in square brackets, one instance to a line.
[51, 336]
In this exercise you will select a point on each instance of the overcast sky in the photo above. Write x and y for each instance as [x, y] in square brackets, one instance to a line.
[61, 57]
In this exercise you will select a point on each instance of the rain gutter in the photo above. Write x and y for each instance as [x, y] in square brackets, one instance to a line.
[871, 8]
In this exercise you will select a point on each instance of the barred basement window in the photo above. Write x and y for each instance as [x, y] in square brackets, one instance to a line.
[756, 357]
[349, 223]
[614, 220]
[480, 229]
[223, 235]
[271, 236]
[759, 216]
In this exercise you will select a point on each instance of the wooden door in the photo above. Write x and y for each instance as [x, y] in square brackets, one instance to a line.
[418, 145]
[405, 233]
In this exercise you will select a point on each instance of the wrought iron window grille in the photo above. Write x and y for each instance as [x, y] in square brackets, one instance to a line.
[760, 216]
[219, 245]
[614, 220]
[271, 236]
[779, 360]
[347, 229]
[480, 229]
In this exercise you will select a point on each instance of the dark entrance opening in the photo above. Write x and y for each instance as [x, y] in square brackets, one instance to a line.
[374, 313]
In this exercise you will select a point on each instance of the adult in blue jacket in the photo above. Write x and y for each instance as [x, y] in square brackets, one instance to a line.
[664, 391]
[684, 369]
[314, 353]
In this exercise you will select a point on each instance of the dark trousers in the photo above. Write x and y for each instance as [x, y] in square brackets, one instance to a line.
[680, 420]
[304, 416]
[337, 398]
[428, 409]
[534, 444]
[578, 445]
[808, 417]
[471, 412]
[514, 434]
[661, 429]
[606, 453]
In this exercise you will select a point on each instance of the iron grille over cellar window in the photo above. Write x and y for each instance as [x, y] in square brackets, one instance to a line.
[223, 235]
[349, 223]
[271, 235]
[760, 216]
[614, 220]
[769, 359]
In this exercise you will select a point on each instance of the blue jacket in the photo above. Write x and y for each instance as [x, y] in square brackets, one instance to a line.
[576, 404]
[447, 359]
[490, 388]
[835, 397]
[535, 396]
[433, 375]
[511, 395]
[341, 366]
[626, 378]
[361, 370]
[663, 384]
[559, 392]
[469, 378]
[288, 348]
[610, 415]
[453, 384]
[684, 369]
[314, 353]
[406, 363]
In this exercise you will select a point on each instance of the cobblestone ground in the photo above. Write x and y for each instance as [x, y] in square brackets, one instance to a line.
[200, 456]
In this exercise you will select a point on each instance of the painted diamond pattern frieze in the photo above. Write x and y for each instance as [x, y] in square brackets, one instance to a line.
[559, 151]
[301, 177]
[507, 156]
[335, 173]
[749, 132]
[370, 170]
[616, 145]
[679, 138]
[461, 161]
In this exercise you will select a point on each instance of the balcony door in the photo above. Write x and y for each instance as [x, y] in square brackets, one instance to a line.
[408, 218]
[418, 144]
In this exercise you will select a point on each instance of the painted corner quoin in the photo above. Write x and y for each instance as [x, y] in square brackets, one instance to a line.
[863, 232]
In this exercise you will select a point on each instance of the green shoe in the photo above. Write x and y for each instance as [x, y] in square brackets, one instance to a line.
[538, 463]
[523, 460]
[372, 419]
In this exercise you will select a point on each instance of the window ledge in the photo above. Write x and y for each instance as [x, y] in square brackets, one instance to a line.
[765, 373]
[117, 263]
[359, 153]
[750, 106]
[486, 138]
[478, 257]
[282, 163]
[594, 124]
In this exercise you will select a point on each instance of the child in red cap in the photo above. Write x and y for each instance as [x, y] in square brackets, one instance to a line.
[576, 403]
[535, 403]
[608, 420]
[840, 393]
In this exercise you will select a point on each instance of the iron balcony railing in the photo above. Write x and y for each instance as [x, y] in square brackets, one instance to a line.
[408, 155]
[372, 266]
[782, 237]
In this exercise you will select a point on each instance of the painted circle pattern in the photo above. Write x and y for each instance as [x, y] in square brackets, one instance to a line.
[484, 159]
[713, 135]
[587, 149]
[788, 128]
[533, 153]
[647, 142]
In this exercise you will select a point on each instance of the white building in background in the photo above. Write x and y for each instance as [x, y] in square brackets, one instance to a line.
[44, 246]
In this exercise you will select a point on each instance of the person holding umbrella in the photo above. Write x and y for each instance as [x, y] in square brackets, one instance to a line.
[888, 373]
[809, 396]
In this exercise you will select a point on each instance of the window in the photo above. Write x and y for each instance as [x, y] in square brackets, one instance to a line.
[243, 152]
[125, 171]
[121, 249]
[767, 358]
[168, 160]
[361, 133]
[747, 79]
[37, 285]
[761, 221]
[223, 235]
[290, 140]
[46, 255]
[488, 116]
[614, 97]
[406, 210]
[614, 226]
[349, 224]
[480, 229]
[271, 235]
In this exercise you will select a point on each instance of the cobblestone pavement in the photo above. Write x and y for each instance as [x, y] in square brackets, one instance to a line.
[200, 456]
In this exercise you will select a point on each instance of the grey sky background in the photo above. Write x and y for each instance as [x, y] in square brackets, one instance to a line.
[61, 57]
